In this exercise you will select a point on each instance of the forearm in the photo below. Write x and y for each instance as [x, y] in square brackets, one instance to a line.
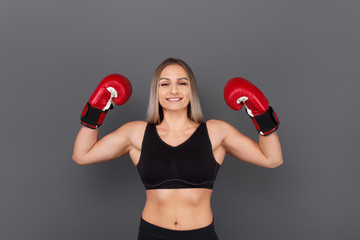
[85, 140]
[271, 148]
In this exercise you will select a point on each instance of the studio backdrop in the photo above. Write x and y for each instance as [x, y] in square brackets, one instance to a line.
[303, 55]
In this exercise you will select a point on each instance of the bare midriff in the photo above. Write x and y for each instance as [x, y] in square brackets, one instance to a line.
[178, 209]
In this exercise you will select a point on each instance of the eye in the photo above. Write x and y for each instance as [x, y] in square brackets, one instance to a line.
[163, 84]
[183, 83]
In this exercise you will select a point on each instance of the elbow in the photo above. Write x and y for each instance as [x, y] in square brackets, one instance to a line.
[78, 160]
[275, 164]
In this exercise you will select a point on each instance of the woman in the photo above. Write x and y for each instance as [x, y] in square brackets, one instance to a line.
[176, 153]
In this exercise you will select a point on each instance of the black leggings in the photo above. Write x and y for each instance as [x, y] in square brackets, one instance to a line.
[148, 231]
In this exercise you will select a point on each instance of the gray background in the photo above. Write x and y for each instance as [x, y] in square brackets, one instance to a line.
[304, 55]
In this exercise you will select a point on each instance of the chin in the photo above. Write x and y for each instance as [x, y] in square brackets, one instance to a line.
[174, 108]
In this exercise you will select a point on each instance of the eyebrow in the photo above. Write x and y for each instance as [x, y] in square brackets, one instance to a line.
[164, 78]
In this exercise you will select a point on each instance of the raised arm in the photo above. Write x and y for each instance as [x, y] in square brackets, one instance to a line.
[239, 92]
[113, 89]
[88, 149]
[265, 153]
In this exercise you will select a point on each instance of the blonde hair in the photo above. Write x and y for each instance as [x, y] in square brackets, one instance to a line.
[154, 111]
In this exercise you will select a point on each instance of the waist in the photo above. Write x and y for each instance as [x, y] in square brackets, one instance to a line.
[178, 209]
[206, 232]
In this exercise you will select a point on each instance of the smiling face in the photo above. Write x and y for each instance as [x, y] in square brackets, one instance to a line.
[174, 88]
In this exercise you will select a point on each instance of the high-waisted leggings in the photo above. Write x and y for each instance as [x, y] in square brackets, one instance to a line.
[148, 231]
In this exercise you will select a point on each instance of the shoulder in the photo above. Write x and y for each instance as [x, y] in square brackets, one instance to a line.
[134, 124]
[218, 125]
[218, 128]
[132, 131]
[222, 128]
[133, 128]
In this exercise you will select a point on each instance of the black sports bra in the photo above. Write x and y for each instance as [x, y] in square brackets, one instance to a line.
[188, 165]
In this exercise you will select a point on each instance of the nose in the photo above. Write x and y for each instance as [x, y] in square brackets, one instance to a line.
[174, 88]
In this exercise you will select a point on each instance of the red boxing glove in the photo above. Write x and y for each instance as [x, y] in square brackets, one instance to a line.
[113, 89]
[239, 92]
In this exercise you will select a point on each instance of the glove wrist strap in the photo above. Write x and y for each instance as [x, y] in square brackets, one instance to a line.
[267, 122]
[92, 117]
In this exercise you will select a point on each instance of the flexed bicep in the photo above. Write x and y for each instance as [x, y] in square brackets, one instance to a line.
[111, 146]
[242, 147]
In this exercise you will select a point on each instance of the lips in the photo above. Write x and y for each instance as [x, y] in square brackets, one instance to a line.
[173, 99]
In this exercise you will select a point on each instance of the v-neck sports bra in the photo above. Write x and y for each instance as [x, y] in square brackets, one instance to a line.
[188, 165]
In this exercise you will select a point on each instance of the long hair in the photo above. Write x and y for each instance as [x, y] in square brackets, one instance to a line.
[155, 112]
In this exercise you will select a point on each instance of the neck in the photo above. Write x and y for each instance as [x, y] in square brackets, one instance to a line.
[176, 120]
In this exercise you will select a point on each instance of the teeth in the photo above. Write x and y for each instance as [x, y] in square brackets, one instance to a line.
[173, 99]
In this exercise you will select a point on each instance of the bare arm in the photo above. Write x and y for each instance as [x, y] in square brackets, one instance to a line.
[88, 149]
[85, 140]
[271, 148]
[265, 153]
